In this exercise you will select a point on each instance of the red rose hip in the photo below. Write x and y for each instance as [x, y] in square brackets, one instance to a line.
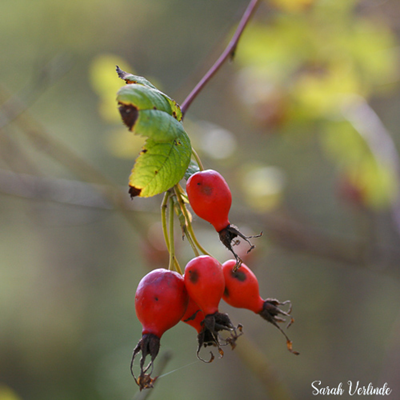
[211, 199]
[241, 287]
[205, 284]
[242, 291]
[161, 300]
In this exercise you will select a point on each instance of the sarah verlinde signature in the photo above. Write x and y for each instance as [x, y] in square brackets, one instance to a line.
[353, 389]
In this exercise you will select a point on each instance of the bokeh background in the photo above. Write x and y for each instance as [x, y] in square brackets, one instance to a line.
[304, 125]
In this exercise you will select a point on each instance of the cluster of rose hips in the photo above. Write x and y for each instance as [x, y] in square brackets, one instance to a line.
[165, 297]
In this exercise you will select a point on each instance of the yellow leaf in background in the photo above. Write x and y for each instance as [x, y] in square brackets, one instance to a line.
[322, 94]
[377, 182]
[292, 5]
[7, 393]
[277, 49]
[105, 82]
[263, 186]
[343, 144]
[375, 52]
[103, 75]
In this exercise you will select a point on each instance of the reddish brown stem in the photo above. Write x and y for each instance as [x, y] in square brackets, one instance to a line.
[228, 52]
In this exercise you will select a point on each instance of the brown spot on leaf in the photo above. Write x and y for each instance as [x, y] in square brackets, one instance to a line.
[133, 191]
[129, 114]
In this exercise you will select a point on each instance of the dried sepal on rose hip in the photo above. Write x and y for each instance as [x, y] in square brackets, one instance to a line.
[242, 291]
[205, 285]
[160, 302]
[195, 317]
[211, 199]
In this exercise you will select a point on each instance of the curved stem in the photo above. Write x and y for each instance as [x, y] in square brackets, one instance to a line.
[171, 248]
[229, 52]
[197, 158]
[181, 193]
[173, 262]
[164, 206]
[190, 233]
[199, 246]
[191, 242]
[178, 203]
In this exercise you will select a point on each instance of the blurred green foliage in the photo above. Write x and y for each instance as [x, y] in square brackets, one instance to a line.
[320, 59]
[298, 166]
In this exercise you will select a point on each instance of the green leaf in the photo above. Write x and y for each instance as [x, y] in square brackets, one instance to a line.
[167, 152]
[140, 81]
[160, 166]
[143, 98]
[130, 78]
[159, 126]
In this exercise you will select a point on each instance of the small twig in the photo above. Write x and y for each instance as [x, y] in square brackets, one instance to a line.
[229, 52]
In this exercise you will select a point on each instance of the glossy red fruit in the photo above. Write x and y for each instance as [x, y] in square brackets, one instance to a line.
[241, 287]
[242, 291]
[161, 300]
[205, 283]
[210, 197]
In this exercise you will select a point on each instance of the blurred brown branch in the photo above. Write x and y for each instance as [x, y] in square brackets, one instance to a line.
[46, 77]
[284, 231]
[45, 143]
[357, 252]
